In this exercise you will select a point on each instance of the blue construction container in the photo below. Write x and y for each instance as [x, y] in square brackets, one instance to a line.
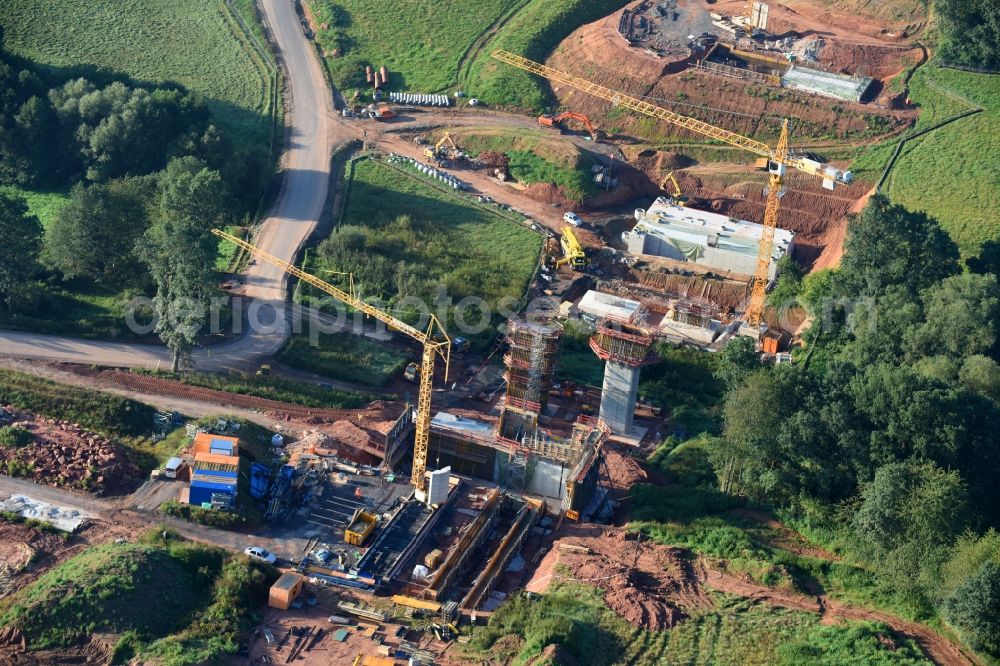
[260, 477]
[202, 490]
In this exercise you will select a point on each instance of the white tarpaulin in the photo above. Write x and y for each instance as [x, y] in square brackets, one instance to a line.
[63, 518]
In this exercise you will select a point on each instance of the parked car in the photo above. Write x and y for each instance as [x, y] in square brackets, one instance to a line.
[261, 554]
[572, 218]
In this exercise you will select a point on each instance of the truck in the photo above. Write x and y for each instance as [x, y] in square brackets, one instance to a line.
[360, 528]
[173, 468]
[412, 372]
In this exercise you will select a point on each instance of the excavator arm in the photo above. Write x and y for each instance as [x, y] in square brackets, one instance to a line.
[579, 117]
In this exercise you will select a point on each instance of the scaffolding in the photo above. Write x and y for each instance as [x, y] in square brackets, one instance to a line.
[530, 361]
[622, 343]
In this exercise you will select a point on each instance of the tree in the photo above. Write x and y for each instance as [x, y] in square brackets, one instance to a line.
[982, 375]
[738, 360]
[988, 260]
[970, 31]
[19, 249]
[888, 245]
[181, 251]
[962, 316]
[786, 291]
[95, 235]
[975, 608]
[881, 324]
[188, 188]
[909, 515]
[181, 256]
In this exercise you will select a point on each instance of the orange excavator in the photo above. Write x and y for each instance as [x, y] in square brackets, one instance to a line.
[548, 120]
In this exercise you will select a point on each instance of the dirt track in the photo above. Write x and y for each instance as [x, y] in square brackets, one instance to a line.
[938, 648]
[654, 586]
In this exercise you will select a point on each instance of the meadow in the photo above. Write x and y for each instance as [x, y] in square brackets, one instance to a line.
[191, 42]
[403, 236]
[536, 158]
[736, 632]
[171, 600]
[952, 172]
[422, 46]
[444, 46]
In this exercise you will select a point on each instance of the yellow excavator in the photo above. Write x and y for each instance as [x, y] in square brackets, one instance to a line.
[439, 151]
[677, 196]
[573, 252]
[434, 339]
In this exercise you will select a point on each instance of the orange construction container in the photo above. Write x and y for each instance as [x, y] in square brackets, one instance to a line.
[285, 590]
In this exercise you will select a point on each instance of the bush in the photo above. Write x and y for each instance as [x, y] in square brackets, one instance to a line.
[857, 643]
[217, 631]
[226, 520]
[14, 437]
[975, 608]
[95, 411]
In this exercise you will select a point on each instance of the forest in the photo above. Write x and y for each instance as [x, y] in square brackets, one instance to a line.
[148, 173]
[883, 436]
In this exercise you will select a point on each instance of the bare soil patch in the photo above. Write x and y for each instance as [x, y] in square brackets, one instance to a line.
[649, 585]
[65, 455]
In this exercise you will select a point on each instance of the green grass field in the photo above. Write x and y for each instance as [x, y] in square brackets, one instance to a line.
[421, 43]
[346, 357]
[434, 46]
[447, 239]
[111, 587]
[192, 42]
[168, 599]
[736, 632]
[951, 173]
[536, 158]
[537, 28]
[43, 205]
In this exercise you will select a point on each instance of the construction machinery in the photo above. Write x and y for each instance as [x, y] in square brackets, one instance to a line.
[445, 148]
[548, 120]
[779, 159]
[573, 252]
[434, 339]
[677, 196]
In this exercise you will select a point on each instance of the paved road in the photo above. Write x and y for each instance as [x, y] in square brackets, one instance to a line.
[292, 219]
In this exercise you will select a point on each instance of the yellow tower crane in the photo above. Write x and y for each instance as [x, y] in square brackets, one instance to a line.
[435, 343]
[778, 159]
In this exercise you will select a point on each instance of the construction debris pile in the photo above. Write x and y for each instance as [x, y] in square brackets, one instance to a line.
[807, 49]
[661, 27]
[63, 454]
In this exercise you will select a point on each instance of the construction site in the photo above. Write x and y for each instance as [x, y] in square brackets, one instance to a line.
[483, 468]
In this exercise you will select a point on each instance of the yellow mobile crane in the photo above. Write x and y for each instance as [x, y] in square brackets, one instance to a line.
[435, 342]
[778, 158]
[573, 252]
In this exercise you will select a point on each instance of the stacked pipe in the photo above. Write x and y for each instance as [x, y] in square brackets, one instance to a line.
[430, 171]
[419, 99]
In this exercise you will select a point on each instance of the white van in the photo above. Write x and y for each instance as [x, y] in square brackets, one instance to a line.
[572, 218]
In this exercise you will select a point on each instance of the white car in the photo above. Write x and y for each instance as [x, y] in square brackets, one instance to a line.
[572, 218]
[261, 554]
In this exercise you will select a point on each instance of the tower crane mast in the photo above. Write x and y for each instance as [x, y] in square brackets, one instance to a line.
[434, 339]
[779, 158]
